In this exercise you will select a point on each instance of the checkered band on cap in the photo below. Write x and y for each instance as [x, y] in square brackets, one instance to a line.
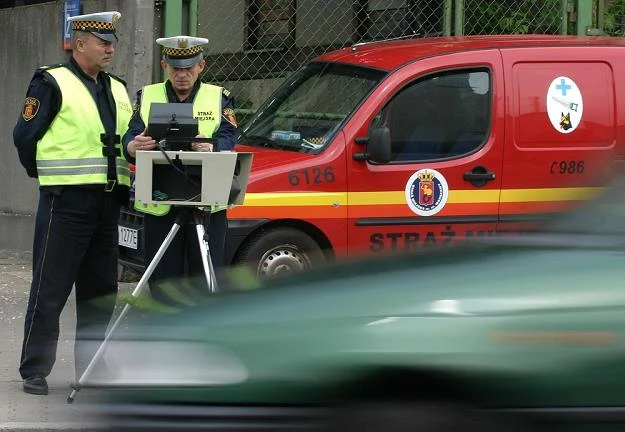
[93, 26]
[316, 140]
[182, 52]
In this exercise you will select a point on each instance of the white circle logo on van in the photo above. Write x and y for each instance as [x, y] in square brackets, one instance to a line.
[564, 104]
[426, 192]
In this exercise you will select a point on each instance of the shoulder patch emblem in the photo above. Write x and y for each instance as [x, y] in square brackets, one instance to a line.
[230, 116]
[226, 92]
[31, 108]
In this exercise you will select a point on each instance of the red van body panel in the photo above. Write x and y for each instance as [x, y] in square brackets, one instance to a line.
[537, 167]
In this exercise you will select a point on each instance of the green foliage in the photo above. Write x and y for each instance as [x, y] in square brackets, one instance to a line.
[513, 16]
[614, 18]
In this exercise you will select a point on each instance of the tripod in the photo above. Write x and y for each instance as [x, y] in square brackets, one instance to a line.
[197, 216]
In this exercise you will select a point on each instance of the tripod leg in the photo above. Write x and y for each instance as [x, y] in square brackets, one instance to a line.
[138, 289]
[209, 271]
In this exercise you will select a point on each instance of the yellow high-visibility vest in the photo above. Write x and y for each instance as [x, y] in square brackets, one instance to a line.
[71, 150]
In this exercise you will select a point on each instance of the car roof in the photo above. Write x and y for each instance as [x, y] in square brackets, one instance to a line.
[388, 55]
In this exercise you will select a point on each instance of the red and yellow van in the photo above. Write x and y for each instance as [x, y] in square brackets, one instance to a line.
[400, 145]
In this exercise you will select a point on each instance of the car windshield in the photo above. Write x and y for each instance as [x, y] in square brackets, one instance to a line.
[310, 107]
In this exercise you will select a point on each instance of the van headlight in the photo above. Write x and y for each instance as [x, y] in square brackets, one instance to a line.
[165, 363]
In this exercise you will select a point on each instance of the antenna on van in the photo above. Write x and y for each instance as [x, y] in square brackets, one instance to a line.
[359, 44]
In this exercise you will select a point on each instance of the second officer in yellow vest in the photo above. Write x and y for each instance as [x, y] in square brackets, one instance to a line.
[183, 62]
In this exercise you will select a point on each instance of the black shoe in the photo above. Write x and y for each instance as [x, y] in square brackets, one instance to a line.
[36, 384]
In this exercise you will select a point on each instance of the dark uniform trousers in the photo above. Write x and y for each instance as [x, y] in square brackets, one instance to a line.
[183, 254]
[75, 243]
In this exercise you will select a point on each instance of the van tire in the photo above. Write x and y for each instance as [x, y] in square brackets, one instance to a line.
[280, 252]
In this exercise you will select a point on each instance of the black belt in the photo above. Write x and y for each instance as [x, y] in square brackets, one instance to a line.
[108, 187]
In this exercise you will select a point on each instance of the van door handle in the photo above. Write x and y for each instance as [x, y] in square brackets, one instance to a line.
[479, 176]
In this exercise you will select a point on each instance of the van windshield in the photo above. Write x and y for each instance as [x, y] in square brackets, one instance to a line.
[309, 108]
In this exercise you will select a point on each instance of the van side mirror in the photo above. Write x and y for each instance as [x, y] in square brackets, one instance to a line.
[379, 145]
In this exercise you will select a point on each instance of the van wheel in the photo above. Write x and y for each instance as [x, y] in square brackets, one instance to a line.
[280, 252]
[405, 416]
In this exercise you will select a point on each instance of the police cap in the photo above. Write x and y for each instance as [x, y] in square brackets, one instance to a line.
[182, 51]
[101, 24]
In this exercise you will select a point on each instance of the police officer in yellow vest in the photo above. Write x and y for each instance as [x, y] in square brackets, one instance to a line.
[68, 137]
[213, 106]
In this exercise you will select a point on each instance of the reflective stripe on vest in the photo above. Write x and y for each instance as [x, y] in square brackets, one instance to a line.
[206, 109]
[70, 152]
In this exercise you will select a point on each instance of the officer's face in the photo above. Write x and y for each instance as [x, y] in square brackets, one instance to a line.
[96, 52]
[183, 80]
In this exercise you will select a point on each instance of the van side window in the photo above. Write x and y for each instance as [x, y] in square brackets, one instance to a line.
[441, 116]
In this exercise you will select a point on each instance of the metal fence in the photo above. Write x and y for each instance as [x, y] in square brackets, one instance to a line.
[256, 43]
[516, 16]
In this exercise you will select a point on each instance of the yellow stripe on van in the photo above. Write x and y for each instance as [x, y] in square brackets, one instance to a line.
[467, 196]
[398, 197]
[548, 194]
[283, 199]
[471, 196]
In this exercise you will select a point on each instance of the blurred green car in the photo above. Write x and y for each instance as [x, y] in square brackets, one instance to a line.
[510, 333]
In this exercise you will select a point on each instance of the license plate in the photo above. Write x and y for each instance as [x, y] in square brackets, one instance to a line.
[128, 237]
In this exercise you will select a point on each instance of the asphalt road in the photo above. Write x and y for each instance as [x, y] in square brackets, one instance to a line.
[24, 412]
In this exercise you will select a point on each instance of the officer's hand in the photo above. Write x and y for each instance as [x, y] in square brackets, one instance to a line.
[200, 146]
[141, 142]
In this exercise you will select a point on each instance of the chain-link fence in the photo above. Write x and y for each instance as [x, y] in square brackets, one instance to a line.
[254, 44]
[515, 17]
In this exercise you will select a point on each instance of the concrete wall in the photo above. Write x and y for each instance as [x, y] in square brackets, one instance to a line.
[223, 24]
[31, 37]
